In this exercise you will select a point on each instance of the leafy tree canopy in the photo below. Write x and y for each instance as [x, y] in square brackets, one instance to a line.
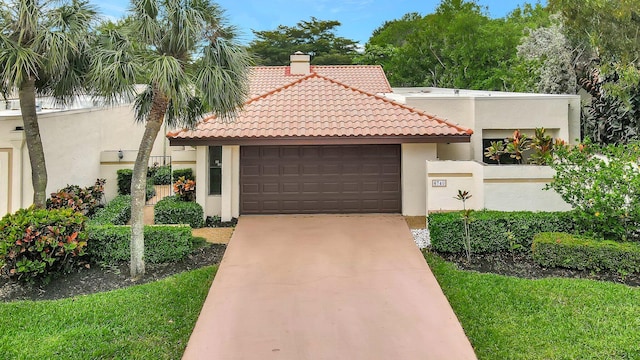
[314, 37]
[457, 46]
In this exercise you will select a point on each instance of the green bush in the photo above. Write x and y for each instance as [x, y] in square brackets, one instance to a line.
[116, 212]
[37, 243]
[494, 231]
[166, 243]
[124, 183]
[172, 210]
[186, 173]
[576, 252]
[84, 200]
[602, 184]
[162, 175]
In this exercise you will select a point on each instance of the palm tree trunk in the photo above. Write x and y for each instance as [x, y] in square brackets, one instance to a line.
[139, 183]
[27, 95]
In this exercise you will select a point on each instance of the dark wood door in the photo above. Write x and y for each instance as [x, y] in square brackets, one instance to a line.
[320, 179]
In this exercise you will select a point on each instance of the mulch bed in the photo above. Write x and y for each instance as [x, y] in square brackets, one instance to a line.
[522, 265]
[104, 278]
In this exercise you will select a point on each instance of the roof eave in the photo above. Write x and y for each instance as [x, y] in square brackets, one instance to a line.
[319, 140]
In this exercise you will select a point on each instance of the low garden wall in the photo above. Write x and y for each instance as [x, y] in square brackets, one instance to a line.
[493, 187]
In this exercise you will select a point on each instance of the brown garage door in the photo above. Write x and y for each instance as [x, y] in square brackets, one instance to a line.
[320, 179]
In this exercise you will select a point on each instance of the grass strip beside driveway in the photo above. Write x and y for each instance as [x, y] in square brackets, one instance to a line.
[555, 318]
[150, 321]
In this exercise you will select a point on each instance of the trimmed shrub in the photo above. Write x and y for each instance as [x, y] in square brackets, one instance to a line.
[494, 231]
[167, 243]
[162, 175]
[84, 200]
[186, 173]
[172, 210]
[116, 212]
[577, 252]
[37, 243]
[216, 222]
[124, 183]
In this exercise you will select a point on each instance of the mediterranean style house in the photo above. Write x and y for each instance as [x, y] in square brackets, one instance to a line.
[313, 139]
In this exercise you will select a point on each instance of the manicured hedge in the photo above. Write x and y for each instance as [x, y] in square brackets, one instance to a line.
[172, 210]
[116, 212]
[577, 252]
[124, 183]
[167, 243]
[494, 231]
[187, 173]
[161, 175]
[37, 243]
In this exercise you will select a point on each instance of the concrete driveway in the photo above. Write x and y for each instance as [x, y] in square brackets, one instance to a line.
[326, 287]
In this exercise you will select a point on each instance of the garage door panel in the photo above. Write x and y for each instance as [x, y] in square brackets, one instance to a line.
[390, 186]
[290, 170]
[292, 187]
[252, 188]
[267, 152]
[290, 152]
[271, 188]
[251, 170]
[313, 169]
[310, 152]
[320, 179]
[270, 170]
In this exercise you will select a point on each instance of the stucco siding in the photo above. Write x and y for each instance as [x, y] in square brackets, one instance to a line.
[414, 158]
[6, 157]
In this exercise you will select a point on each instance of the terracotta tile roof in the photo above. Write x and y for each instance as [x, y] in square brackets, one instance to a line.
[317, 106]
[369, 78]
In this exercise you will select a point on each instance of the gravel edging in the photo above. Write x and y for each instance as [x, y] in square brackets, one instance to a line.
[421, 237]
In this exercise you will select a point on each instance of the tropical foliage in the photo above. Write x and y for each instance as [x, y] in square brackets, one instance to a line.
[38, 243]
[44, 51]
[187, 56]
[602, 183]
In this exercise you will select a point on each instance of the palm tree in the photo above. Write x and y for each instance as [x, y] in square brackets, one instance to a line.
[43, 51]
[191, 66]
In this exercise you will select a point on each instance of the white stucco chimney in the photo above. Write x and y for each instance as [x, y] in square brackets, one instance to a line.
[300, 64]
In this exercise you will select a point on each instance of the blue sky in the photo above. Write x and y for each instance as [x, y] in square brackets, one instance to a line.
[358, 17]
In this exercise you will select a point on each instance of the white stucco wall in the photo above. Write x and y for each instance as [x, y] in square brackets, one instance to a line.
[521, 187]
[498, 115]
[493, 187]
[414, 159]
[76, 145]
[451, 176]
[6, 157]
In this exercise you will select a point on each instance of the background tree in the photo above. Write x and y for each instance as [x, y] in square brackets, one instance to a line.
[191, 66]
[608, 33]
[549, 51]
[314, 37]
[44, 51]
[457, 46]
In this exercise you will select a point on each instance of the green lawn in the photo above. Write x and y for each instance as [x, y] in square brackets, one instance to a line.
[151, 321]
[512, 318]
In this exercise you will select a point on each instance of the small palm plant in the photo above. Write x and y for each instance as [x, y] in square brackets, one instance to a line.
[517, 144]
[543, 146]
[466, 216]
[494, 151]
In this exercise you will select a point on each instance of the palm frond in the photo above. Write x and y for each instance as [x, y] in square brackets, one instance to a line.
[223, 78]
[146, 24]
[142, 104]
[17, 62]
[113, 67]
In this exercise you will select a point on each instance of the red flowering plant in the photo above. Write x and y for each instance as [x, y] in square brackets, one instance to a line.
[185, 189]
